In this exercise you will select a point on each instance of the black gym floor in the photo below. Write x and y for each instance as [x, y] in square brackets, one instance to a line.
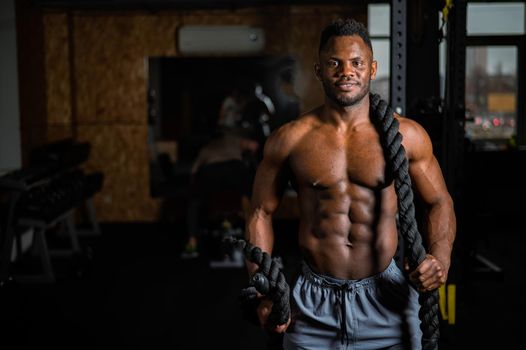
[130, 289]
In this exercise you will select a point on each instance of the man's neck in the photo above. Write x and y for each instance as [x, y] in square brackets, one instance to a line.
[349, 116]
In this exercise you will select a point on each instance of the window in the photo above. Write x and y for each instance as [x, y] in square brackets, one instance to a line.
[379, 27]
[491, 94]
[495, 18]
[495, 39]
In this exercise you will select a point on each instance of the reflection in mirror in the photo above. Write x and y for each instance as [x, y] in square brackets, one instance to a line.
[189, 98]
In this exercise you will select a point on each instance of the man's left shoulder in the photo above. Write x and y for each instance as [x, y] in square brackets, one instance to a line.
[415, 138]
[410, 127]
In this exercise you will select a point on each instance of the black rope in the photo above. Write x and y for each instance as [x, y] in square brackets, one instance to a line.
[387, 126]
[270, 269]
[269, 280]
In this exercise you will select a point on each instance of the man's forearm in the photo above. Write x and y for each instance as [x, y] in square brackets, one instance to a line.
[441, 231]
[259, 232]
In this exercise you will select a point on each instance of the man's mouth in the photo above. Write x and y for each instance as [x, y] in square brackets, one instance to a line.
[346, 85]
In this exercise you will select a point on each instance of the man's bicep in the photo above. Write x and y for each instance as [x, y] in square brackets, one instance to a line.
[268, 186]
[428, 180]
[425, 171]
[271, 176]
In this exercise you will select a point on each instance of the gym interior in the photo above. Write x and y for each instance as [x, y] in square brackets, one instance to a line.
[106, 105]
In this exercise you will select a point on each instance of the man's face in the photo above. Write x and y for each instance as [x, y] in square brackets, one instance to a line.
[345, 69]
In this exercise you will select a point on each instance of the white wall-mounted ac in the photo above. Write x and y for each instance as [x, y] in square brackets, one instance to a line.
[220, 40]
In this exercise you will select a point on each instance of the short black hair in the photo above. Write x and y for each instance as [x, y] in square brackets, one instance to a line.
[344, 27]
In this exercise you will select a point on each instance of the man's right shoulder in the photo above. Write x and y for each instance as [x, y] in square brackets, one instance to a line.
[302, 124]
[288, 135]
[295, 129]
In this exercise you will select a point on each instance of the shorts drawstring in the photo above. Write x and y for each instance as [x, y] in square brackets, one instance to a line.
[343, 330]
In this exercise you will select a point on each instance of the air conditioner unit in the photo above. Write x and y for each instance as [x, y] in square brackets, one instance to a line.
[219, 40]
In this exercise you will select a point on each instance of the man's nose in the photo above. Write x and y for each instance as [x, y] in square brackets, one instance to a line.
[347, 69]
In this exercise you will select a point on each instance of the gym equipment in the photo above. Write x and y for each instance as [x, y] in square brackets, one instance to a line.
[387, 126]
[269, 280]
[46, 192]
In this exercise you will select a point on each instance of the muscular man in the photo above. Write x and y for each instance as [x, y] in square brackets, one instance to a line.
[350, 293]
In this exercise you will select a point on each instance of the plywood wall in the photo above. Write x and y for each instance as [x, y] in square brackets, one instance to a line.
[95, 83]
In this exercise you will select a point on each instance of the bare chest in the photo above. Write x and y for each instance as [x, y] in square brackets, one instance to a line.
[327, 161]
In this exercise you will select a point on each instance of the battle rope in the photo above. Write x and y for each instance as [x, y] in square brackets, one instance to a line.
[391, 139]
[269, 280]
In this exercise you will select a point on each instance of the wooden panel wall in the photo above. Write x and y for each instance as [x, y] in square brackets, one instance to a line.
[95, 69]
[58, 79]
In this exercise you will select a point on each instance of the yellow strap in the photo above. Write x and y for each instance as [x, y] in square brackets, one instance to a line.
[442, 301]
[451, 303]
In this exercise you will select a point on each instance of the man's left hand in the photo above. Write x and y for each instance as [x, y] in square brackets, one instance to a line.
[429, 275]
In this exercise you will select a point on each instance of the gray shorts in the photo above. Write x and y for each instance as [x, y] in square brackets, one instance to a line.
[378, 312]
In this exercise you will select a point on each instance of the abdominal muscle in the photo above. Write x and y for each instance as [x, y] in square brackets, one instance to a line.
[340, 238]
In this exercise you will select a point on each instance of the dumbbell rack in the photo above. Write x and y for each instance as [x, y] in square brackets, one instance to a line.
[40, 197]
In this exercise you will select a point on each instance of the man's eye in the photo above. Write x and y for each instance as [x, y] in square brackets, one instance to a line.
[358, 63]
[333, 64]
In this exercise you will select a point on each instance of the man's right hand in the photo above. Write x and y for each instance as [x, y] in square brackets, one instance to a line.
[263, 311]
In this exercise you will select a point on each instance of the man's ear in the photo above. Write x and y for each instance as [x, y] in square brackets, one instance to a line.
[317, 71]
[374, 67]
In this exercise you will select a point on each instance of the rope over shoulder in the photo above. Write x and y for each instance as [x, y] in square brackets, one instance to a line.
[387, 126]
[269, 280]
